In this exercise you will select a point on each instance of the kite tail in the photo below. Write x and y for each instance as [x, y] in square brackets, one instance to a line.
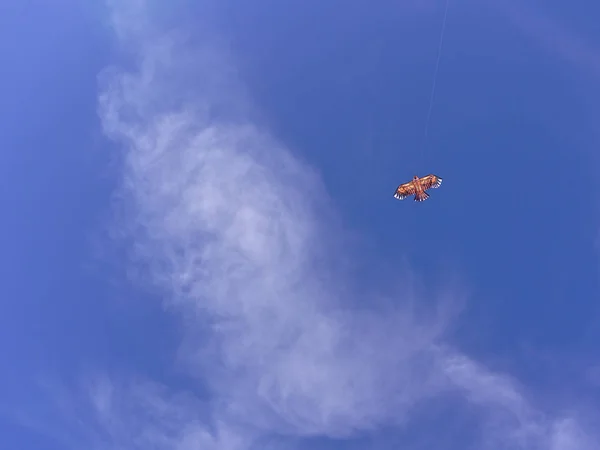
[421, 196]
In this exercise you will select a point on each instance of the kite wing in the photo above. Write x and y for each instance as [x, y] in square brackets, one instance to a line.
[405, 190]
[430, 182]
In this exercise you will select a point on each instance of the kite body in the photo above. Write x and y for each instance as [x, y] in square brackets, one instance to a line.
[417, 187]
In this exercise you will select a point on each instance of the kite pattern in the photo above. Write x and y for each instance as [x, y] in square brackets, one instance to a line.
[417, 187]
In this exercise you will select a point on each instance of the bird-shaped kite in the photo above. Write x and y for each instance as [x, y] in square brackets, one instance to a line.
[417, 187]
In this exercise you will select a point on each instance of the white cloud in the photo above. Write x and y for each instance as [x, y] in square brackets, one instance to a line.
[229, 224]
[240, 238]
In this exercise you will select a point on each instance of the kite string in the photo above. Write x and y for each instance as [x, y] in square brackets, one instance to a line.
[435, 73]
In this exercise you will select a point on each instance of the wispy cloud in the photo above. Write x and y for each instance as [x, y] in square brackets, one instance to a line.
[553, 36]
[240, 238]
[236, 230]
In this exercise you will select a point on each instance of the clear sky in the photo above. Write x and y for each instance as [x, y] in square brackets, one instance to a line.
[201, 250]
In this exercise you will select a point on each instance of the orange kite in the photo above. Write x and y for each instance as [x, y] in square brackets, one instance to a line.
[417, 187]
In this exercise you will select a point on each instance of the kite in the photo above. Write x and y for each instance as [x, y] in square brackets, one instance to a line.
[417, 187]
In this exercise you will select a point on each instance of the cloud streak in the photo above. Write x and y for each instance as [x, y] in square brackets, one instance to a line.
[553, 36]
[239, 237]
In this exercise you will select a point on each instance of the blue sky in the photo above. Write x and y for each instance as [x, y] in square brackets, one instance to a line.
[202, 250]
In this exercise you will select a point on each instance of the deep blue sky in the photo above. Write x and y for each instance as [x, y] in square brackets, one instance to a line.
[346, 87]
